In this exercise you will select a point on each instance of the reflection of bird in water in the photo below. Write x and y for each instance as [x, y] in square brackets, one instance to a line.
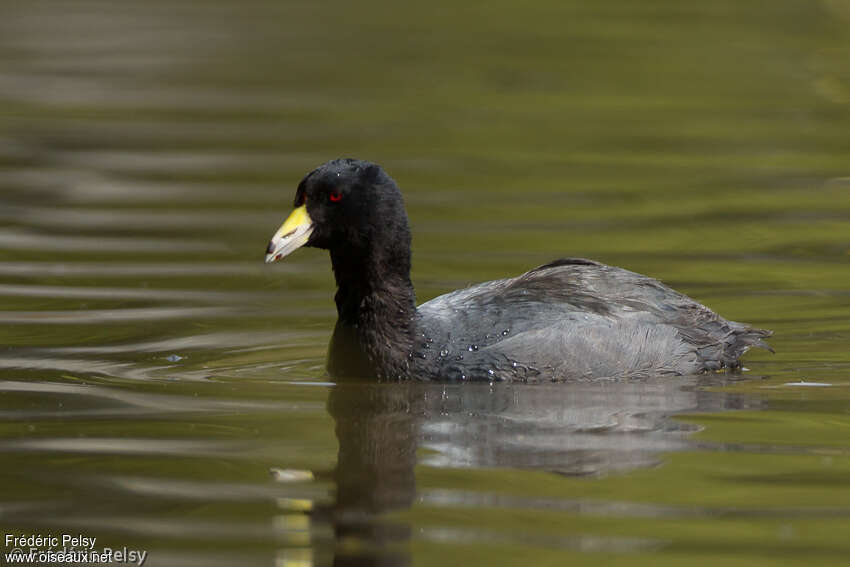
[570, 318]
[377, 430]
[578, 428]
[586, 428]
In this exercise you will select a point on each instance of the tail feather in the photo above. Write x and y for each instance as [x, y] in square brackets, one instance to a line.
[746, 337]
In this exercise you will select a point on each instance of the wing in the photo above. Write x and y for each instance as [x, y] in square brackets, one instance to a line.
[575, 318]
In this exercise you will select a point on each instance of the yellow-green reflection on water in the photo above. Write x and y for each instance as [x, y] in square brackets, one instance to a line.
[154, 371]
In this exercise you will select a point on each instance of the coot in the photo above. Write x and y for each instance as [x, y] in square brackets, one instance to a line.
[570, 319]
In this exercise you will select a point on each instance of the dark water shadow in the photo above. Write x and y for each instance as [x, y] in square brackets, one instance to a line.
[582, 428]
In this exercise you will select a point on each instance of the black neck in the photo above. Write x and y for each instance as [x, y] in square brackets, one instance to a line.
[376, 299]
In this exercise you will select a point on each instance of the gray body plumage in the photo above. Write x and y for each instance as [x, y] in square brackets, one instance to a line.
[573, 319]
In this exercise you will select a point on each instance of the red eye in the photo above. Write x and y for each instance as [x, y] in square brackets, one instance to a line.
[335, 196]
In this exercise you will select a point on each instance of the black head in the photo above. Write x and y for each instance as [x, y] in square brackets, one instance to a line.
[354, 209]
[350, 207]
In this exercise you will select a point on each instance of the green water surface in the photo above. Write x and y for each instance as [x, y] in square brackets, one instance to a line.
[163, 390]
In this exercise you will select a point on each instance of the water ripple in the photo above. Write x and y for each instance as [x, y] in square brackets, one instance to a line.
[130, 293]
[222, 340]
[122, 446]
[93, 316]
[142, 269]
[125, 370]
[26, 240]
[121, 399]
[92, 218]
